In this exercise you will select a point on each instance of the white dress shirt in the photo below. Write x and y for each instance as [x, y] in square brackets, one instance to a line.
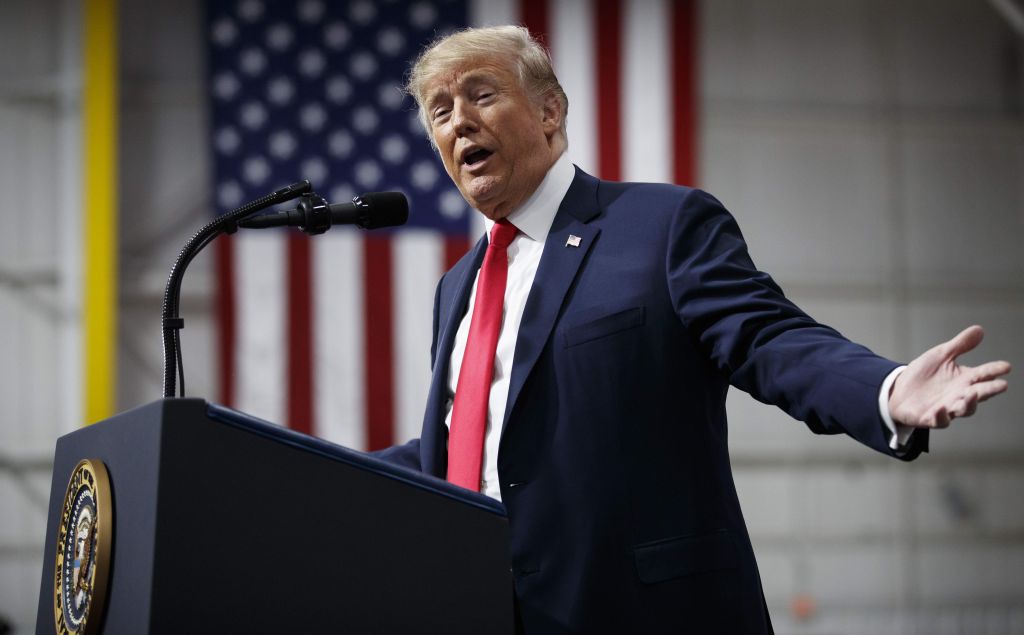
[899, 434]
[534, 221]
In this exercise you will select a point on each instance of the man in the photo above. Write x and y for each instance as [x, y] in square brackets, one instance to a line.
[582, 353]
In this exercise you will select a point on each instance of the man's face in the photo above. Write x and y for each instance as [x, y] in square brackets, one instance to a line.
[495, 140]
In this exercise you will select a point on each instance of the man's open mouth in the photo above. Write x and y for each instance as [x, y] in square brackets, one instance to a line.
[476, 156]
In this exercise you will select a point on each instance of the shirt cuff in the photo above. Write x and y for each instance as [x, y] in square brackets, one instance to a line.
[899, 434]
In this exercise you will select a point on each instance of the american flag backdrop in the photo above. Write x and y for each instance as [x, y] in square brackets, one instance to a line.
[331, 334]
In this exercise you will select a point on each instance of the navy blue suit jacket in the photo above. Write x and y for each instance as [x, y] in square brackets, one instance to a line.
[613, 462]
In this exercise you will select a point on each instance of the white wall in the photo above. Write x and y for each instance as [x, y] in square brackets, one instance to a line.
[39, 256]
[165, 193]
[873, 153]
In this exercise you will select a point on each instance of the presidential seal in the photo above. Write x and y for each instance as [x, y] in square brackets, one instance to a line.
[83, 550]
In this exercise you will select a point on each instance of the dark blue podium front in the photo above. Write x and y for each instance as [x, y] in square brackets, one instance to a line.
[225, 523]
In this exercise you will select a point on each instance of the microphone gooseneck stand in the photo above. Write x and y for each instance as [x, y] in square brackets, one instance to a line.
[226, 223]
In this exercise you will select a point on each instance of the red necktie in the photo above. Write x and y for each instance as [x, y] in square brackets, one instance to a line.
[469, 412]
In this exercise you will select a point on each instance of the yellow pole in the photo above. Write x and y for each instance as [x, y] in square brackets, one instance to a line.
[99, 222]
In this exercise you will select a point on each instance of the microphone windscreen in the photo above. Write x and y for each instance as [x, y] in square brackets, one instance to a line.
[387, 209]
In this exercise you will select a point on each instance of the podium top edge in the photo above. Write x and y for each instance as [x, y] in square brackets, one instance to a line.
[359, 460]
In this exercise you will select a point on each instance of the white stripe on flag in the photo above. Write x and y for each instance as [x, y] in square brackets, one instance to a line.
[260, 270]
[418, 259]
[646, 115]
[338, 372]
[572, 51]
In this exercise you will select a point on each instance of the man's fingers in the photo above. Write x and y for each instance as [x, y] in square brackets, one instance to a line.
[941, 418]
[965, 405]
[989, 389]
[964, 341]
[989, 370]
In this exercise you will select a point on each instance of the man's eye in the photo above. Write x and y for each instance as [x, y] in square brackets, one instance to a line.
[440, 113]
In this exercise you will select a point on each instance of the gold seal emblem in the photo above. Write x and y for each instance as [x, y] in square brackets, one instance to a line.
[83, 550]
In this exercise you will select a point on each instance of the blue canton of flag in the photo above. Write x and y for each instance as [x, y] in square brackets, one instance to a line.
[313, 90]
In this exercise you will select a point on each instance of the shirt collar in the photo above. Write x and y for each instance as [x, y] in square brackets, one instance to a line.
[535, 216]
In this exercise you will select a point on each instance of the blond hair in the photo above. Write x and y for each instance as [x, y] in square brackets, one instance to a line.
[529, 58]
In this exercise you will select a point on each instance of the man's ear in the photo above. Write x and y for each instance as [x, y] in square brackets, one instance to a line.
[551, 110]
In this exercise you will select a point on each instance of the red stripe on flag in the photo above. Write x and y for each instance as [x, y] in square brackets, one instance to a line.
[299, 328]
[455, 247]
[534, 15]
[684, 91]
[608, 97]
[378, 355]
[224, 263]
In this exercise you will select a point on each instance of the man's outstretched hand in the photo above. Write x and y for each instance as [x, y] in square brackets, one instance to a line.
[934, 389]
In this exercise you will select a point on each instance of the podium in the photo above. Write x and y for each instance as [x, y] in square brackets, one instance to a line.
[225, 523]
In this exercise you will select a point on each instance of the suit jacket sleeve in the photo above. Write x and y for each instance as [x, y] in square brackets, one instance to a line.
[765, 344]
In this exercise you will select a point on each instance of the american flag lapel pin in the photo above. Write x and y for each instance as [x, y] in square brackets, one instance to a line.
[573, 241]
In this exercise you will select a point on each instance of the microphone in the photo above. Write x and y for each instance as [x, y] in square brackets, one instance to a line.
[314, 215]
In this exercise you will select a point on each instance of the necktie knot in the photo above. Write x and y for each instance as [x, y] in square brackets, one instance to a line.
[502, 233]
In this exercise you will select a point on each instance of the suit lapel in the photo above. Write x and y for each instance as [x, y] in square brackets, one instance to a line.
[568, 243]
[450, 323]
[453, 307]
